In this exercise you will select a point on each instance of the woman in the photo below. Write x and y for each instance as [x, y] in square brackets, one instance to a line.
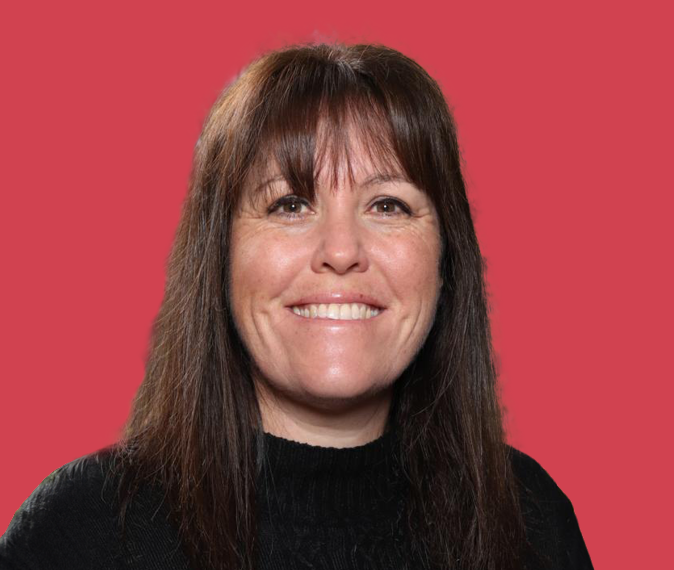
[320, 391]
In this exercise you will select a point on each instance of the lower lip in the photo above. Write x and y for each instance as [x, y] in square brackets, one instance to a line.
[325, 320]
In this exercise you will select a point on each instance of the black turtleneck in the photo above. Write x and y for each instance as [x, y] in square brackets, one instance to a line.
[318, 507]
[331, 508]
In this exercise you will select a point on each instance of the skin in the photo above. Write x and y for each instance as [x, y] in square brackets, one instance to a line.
[329, 383]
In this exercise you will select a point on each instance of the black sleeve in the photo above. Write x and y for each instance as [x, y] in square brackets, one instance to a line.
[67, 522]
[576, 554]
[552, 526]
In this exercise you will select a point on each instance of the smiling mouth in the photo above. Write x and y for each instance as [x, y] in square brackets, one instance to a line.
[337, 311]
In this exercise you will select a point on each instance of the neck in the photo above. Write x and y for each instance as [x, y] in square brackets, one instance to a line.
[337, 424]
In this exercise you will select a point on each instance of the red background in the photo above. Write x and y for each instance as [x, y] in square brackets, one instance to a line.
[565, 118]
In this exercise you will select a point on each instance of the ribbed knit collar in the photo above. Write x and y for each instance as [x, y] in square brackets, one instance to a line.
[331, 486]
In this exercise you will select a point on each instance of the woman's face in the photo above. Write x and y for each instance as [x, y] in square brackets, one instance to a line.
[376, 243]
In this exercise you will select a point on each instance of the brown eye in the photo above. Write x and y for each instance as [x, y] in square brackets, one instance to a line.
[290, 207]
[387, 206]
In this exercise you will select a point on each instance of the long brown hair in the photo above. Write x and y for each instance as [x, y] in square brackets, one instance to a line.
[194, 420]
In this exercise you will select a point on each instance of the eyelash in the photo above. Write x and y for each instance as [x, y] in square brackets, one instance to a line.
[295, 200]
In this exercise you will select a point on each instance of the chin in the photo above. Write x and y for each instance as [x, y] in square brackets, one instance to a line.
[335, 393]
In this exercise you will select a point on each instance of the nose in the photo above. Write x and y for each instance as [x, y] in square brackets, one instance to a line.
[340, 243]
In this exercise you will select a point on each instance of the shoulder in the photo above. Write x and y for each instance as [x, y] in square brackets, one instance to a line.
[534, 481]
[83, 486]
[551, 523]
[72, 521]
[72, 505]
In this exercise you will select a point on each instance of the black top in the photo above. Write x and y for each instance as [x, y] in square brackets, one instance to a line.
[319, 507]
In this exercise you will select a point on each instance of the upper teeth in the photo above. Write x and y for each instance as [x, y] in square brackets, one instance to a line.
[347, 311]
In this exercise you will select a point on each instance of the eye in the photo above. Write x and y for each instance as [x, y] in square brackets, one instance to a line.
[390, 204]
[292, 202]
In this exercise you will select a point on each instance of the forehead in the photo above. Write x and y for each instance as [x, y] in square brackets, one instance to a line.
[355, 159]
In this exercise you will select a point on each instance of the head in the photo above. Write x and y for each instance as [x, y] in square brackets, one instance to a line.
[327, 173]
[337, 129]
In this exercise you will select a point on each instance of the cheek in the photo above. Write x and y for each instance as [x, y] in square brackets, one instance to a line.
[260, 268]
[413, 264]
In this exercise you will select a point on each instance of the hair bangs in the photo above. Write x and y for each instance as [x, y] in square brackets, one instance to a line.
[320, 130]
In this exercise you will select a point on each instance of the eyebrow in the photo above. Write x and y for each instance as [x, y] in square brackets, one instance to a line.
[383, 178]
[277, 178]
[373, 180]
